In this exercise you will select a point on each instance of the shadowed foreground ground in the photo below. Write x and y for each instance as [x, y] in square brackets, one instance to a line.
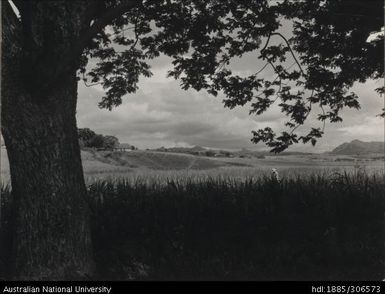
[318, 228]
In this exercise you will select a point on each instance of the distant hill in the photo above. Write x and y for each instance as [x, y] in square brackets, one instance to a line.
[196, 150]
[357, 147]
[243, 152]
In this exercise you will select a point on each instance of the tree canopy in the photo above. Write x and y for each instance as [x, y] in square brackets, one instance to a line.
[314, 66]
[88, 138]
[49, 46]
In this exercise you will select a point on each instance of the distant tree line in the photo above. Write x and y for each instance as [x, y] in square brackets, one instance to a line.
[88, 138]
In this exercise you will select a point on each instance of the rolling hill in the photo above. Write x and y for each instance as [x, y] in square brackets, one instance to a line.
[156, 160]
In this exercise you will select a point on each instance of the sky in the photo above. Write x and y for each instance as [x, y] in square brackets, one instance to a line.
[160, 113]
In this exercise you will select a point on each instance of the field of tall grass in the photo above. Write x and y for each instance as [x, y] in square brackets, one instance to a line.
[320, 227]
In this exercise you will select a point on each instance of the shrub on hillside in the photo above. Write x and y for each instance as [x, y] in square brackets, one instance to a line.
[89, 139]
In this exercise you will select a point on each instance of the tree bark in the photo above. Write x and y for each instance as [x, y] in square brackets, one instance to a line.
[52, 232]
[52, 227]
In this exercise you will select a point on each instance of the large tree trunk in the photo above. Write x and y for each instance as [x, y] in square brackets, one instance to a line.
[52, 231]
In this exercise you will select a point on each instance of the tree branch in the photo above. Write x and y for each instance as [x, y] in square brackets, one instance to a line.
[258, 72]
[18, 4]
[89, 85]
[8, 13]
[100, 23]
[356, 15]
[291, 50]
[267, 43]
[121, 31]
[11, 31]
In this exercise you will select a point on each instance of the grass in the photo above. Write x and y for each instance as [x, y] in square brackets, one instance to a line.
[151, 165]
[154, 160]
[320, 227]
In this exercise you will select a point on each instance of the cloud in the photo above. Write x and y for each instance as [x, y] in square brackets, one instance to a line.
[162, 114]
[366, 130]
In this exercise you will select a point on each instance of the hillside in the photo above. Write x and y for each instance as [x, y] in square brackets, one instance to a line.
[156, 160]
[357, 147]
[102, 162]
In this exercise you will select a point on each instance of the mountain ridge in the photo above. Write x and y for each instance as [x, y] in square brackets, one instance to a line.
[359, 147]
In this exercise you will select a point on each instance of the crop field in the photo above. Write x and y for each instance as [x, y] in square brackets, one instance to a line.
[158, 166]
[163, 216]
[313, 228]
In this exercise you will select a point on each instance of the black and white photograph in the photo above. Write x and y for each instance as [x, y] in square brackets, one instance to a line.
[194, 140]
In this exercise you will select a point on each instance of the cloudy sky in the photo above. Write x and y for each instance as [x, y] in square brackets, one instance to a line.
[162, 114]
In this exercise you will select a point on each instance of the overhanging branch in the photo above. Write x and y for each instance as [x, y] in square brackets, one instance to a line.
[11, 31]
[8, 12]
[291, 50]
[100, 23]
[18, 4]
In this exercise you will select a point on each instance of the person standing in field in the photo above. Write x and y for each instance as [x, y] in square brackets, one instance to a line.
[274, 175]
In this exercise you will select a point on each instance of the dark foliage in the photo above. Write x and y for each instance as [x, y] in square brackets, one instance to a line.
[319, 228]
[314, 66]
[88, 138]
